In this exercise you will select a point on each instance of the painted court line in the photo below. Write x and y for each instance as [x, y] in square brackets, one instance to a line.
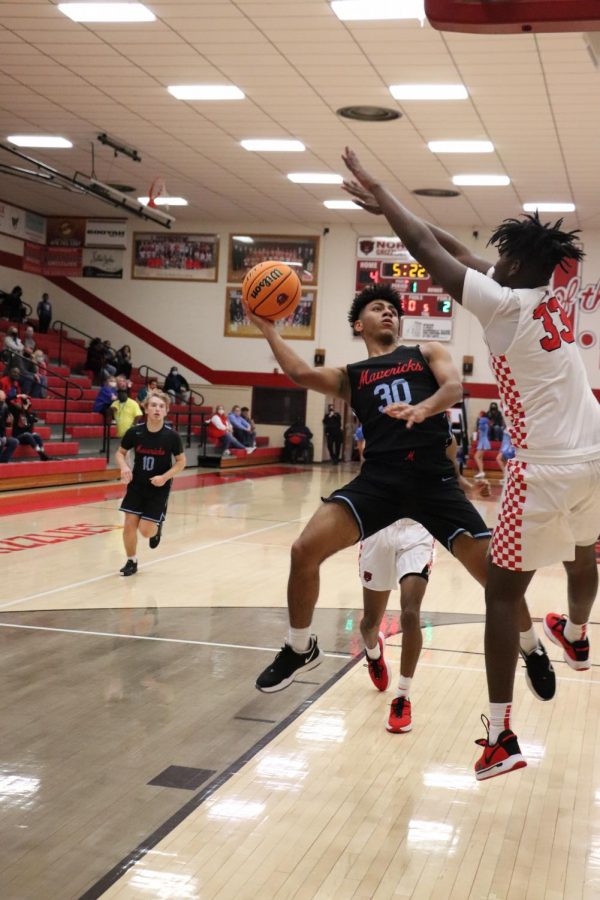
[145, 637]
[221, 646]
[154, 562]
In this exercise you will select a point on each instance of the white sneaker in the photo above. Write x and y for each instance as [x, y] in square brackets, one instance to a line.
[479, 475]
[226, 453]
[250, 450]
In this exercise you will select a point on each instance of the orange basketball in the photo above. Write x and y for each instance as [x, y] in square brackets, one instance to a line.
[272, 290]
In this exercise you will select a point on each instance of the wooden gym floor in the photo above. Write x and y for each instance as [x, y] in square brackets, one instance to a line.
[138, 760]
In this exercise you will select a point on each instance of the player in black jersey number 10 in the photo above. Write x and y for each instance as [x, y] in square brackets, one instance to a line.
[154, 445]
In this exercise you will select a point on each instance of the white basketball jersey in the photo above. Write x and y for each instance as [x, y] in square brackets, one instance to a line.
[552, 413]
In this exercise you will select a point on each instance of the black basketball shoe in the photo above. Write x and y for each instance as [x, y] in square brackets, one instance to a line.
[130, 568]
[539, 673]
[287, 664]
[155, 541]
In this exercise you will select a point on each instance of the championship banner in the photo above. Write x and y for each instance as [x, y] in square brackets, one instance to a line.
[63, 261]
[65, 231]
[20, 223]
[34, 258]
[106, 233]
[102, 263]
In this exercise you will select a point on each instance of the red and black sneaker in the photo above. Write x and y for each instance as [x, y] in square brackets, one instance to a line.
[380, 671]
[499, 758]
[399, 719]
[576, 653]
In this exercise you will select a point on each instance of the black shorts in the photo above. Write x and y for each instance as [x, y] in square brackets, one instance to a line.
[430, 495]
[146, 501]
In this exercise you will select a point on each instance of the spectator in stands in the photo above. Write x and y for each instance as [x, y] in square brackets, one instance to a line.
[220, 432]
[123, 361]
[297, 443]
[241, 428]
[176, 386]
[109, 362]
[28, 377]
[126, 411]
[245, 413]
[23, 425]
[10, 384]
[8, 445]
[29, 339]
[332, 423]
[496, 422]
[39, 358]
[12, 344]
[13, 304]
[149, 388]
[95, 359]
[44, 314]
[105, 398]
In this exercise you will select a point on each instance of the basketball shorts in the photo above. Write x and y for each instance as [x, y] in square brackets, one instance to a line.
[146, 501]
[546, 511]
[483, 443]
[381, 495]
[403, 548]
[510, 453]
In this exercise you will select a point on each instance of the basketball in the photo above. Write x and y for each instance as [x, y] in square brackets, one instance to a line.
[271, 290]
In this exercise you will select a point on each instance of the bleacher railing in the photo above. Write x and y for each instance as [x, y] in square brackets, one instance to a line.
[67, 383]
[63, 338]
[148, 372]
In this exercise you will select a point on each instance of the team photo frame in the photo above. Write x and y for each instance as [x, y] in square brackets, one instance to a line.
[301, 252]
[300, 326]
[175, 256]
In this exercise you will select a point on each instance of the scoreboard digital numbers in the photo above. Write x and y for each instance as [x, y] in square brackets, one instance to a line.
[386, 261]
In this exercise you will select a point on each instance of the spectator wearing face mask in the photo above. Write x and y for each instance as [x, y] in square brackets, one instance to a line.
[12, 345]
[220, 432]
[125, 411]
[23, 425]
[176, 386]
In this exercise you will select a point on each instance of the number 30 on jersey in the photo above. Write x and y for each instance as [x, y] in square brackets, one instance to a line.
[396, 392]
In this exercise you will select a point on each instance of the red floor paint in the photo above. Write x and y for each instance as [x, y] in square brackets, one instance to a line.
[96, 493]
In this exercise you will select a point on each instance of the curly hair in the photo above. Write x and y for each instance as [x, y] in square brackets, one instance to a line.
[540, 243]
[369, 294]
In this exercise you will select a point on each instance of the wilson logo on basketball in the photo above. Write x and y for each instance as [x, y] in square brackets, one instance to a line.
[265, 282]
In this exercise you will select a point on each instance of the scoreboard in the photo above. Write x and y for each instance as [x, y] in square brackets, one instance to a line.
[386, 261]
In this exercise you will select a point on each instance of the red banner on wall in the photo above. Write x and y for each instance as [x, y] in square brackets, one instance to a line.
[52, 260]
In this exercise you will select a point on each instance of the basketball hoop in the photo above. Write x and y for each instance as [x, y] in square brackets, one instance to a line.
[158, 188]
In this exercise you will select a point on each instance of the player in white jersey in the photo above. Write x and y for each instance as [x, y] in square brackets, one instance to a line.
[550, 508]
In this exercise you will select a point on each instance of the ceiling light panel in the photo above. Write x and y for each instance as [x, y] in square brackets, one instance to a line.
[275, 146]
[206, 92]
[361, 10]
[341, 204]
[315, 178]
[39, 140]
[107, 12]
[549, 207]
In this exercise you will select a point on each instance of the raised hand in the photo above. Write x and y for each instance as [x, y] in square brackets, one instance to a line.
[364, 198]
[352, 162]
[412, 415]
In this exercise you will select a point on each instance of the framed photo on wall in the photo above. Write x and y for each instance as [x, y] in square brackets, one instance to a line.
[299, 326]
[175, 256]
[301, 252]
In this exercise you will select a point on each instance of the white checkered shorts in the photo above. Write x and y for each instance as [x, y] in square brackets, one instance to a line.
[546, 512]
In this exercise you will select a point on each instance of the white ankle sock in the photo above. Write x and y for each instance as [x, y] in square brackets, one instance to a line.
[374, 652]
[132, 558]
[528, 640]
[499, 720]
[574, 632]
[404, 687]
[299, 639]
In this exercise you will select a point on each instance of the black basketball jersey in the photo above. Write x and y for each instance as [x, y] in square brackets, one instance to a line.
[402, 376]
[153, 450]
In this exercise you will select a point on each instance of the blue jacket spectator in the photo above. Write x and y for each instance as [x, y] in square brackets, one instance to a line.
[242, 429]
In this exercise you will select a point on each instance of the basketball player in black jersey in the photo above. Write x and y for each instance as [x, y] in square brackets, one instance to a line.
[148, 485]
[400, 395]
